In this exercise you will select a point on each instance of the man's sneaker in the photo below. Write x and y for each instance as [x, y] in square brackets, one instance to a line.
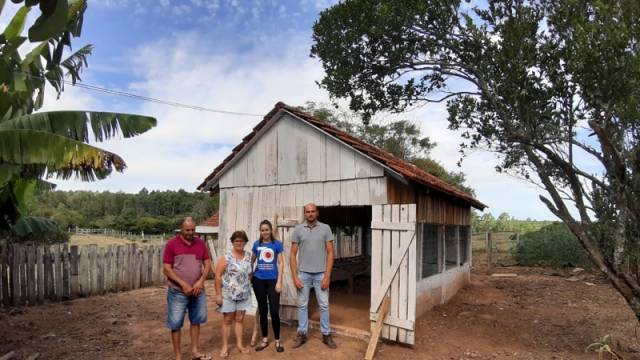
[299, 340]
[328, 340]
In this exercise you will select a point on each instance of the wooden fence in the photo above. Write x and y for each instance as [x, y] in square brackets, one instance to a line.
[120, 234]
[494, 247]
[36, 274]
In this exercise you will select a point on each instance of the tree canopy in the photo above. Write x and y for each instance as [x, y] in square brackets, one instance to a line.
[552, 87]
[153, 212]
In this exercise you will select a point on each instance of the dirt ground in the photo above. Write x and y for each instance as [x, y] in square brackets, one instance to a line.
[539, 314]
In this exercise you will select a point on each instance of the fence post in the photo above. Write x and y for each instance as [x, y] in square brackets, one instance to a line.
[73, 279]
[4, 275]
[489, 252]
[31, 274]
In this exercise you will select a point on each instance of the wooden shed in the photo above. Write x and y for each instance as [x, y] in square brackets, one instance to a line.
[411, 228]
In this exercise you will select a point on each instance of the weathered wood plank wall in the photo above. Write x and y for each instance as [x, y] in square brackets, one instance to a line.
[432, 207]
[37, 274]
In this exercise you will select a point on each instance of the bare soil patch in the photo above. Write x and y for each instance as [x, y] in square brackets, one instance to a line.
[535, 315]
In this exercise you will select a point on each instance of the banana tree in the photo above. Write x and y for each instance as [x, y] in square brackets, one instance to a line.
[36, 146]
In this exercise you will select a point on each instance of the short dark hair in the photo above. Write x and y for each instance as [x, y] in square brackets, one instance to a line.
[239, 234]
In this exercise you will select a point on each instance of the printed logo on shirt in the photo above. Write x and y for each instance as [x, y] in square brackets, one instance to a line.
[266, 254]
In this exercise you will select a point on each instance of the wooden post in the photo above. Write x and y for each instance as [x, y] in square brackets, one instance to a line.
[489, 252]
[66, 272]
[107, 268]
[57, 272]
[375, 334]
[83, 274]
[74, 283]
[22, 270]
[93, 268]
[40, 273]
[4, 275]
[119, 270]
[48, 274]
[15, 274]
[137, 265]
[31, 274]
[100, 267]
[114, 269]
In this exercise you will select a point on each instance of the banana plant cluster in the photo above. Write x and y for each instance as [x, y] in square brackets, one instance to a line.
[36, 146]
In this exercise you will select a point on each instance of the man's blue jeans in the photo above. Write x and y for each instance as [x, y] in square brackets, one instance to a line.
[313, 280]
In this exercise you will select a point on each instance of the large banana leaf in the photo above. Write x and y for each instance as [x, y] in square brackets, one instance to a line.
[76, 124]
[26, 225]
[58, 153]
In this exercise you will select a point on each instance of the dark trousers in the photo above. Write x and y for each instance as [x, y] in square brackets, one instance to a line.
[267, 296]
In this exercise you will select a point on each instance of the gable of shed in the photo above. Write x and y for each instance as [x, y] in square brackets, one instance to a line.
[289, 151]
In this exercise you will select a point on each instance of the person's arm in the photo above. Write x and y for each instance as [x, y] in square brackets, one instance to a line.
[199, 285]
[326, 279]
[167, 269]
[222, 262]
[293, 260]
[280, 271]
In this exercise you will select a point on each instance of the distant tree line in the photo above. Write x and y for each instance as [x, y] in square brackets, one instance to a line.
[153, 212]
[504, 222]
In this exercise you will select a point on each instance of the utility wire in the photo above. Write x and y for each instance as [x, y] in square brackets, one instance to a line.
[141, 97]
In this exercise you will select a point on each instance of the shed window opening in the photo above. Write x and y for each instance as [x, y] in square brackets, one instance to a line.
[451, 247]
[465, 243]
[430, 249]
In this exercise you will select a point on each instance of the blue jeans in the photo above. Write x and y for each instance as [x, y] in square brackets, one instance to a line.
[178, 303]
[313, 280]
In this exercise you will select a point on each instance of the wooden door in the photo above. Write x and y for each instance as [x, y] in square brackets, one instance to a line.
[393, 269]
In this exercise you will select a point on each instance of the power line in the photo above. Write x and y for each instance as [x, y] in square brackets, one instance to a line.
[142, 97]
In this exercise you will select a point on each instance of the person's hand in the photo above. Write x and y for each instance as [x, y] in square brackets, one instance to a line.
[298, 283]
[198, 287]
[218, 300]
[326, 281]
[279, 287]
[187, 289]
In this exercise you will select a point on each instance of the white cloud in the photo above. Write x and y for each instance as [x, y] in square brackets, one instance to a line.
[187, 144]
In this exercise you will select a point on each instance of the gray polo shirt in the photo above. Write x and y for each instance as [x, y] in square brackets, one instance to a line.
[312, 242]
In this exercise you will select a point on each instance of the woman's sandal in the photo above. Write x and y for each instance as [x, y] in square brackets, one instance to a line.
[201, 357]
[262, 345]
[224, 354]
[279, 347]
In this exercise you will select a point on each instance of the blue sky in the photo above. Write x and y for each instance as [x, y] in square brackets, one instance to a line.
[234, 55]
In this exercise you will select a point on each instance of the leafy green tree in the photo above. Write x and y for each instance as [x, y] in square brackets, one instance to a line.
[403, 139]
[121, 211]
[38, 145]
[553, 245]
[552, 87]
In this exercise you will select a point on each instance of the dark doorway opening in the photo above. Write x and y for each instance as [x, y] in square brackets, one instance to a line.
[350, 292]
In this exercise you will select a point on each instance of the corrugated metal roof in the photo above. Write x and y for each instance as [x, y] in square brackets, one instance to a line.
[404, 168]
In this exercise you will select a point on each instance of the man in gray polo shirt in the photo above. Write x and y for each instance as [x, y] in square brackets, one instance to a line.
[311, 265]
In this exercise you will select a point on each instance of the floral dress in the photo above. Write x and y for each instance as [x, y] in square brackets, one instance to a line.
[235, 278]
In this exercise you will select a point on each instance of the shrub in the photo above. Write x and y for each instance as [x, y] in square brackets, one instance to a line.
[552, 245]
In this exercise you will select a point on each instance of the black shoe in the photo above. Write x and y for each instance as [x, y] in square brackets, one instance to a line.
[328, 340]
[299, 340]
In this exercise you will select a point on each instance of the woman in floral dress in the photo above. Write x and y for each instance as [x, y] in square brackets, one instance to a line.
[233, 290]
